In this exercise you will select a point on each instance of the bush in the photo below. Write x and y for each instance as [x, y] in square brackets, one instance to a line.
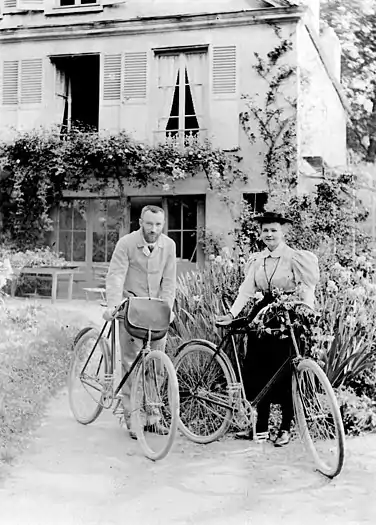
[35, 350]
[358, 412]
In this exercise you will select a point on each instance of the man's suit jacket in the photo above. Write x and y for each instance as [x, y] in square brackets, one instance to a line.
[132, 269]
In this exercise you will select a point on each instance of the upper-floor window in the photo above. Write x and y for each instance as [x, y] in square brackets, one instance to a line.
[182, 92]
[66, 3]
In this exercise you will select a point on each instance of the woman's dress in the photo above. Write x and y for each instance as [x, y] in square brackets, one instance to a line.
[287, 270]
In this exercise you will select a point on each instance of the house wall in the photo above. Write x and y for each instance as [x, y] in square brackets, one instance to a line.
[321, 115]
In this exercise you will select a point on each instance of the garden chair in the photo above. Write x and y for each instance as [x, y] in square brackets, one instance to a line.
[99, 278]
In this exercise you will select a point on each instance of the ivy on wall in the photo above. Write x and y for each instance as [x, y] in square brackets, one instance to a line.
[36, 167]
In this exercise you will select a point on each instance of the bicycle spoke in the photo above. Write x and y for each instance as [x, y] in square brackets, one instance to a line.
[203, 385]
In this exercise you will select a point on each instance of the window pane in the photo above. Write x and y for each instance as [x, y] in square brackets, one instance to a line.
[189, 215]
[174, 214]
[257, 201]
[65, 244]
[112, 239]
[189, 246]
[79, 245]
[114, 214]
[98, 247]
[65, 3]
[79, 215]
[176, 236]
[65, 217]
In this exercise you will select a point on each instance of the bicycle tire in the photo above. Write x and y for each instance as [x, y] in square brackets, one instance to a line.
[170, 395]
[194, 427]
[312, 409]
[83, 344]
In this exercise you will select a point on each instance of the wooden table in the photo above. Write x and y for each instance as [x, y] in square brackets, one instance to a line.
[54, 271]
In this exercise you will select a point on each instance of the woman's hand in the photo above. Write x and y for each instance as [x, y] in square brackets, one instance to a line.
[224, 320]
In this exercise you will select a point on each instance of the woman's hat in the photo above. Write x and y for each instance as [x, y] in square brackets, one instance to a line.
[270, 216]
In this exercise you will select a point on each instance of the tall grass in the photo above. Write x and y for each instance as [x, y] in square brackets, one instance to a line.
[199, 300]
[35, 349]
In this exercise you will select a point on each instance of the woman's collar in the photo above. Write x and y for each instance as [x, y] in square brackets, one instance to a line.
[277, 252]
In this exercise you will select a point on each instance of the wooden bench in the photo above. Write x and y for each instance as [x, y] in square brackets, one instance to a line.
[99, 278]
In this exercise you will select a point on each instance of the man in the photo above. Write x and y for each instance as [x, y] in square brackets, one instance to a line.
[143, 264]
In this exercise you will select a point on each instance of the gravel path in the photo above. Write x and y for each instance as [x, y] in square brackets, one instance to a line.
[73, 475]
[96, 475]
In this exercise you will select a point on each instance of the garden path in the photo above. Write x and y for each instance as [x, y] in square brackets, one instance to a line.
[76, 475]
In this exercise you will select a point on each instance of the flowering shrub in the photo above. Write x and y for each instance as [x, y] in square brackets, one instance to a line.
[6, 273]
[37, 166]
[346, 334]
[30, 258]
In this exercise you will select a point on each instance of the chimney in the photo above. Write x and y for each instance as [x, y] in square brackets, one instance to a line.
[313, 12]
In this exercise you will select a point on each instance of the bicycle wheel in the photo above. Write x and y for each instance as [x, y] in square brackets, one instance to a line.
[86, 383]
[205, 401]
[318, 417]
[155, 404]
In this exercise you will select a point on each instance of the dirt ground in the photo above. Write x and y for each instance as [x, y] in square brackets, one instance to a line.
[96, 475]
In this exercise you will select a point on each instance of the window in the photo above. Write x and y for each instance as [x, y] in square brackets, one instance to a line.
[256, 201]
[66, 3]
[182, 226]
[183, 219]
[71, 230]
[77, 91]
[107, 222]
[182, 84]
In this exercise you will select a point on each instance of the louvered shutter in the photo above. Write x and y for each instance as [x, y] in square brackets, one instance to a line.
[9, 5]
[112, 77]
[224, 70]
[225, 100]
[135, 75]
[10, 83]
[31, 81]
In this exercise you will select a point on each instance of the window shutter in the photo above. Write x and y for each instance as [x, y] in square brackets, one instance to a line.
[135, 75]
[9, 5]
[31, 5]
[224, 70]
[31, 81]
[225, 100]
[10, 83]
[112, 77]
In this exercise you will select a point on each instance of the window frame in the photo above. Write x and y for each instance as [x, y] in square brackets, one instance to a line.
[182, 136]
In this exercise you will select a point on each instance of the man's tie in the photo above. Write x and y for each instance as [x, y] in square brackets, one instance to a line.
[151, 247]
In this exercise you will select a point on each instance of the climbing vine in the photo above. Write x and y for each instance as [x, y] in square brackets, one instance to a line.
[38, 166]
[272, 117]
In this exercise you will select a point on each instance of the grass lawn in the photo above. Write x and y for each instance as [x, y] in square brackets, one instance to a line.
[35, 351]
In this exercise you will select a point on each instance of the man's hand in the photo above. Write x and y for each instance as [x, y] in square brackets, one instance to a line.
[224, 320]
[108, 314]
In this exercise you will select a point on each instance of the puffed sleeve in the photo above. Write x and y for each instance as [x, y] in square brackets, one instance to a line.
[248, 287]
[305, 267]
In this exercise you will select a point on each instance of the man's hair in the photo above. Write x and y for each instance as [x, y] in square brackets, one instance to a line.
[152, 208]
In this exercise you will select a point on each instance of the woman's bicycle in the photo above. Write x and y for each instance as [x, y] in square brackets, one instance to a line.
[154, 391]
[212, 394]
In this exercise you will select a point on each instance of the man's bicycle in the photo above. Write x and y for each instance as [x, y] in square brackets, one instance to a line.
[212, 394]
[154, 392]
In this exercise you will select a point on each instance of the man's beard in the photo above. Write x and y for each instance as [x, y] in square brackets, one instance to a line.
[150, 237]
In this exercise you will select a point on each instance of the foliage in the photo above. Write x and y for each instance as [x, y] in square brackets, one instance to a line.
[346, 335]
[35, 350]
[328, 220]
[200, 296]
[38, 166]
[358, 411]
[354, 22]
[274, 116]
[30, 258]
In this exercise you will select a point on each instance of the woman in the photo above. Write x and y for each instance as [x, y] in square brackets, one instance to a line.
[283, 268]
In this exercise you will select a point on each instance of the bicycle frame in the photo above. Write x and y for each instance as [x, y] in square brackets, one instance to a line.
[293, 357]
